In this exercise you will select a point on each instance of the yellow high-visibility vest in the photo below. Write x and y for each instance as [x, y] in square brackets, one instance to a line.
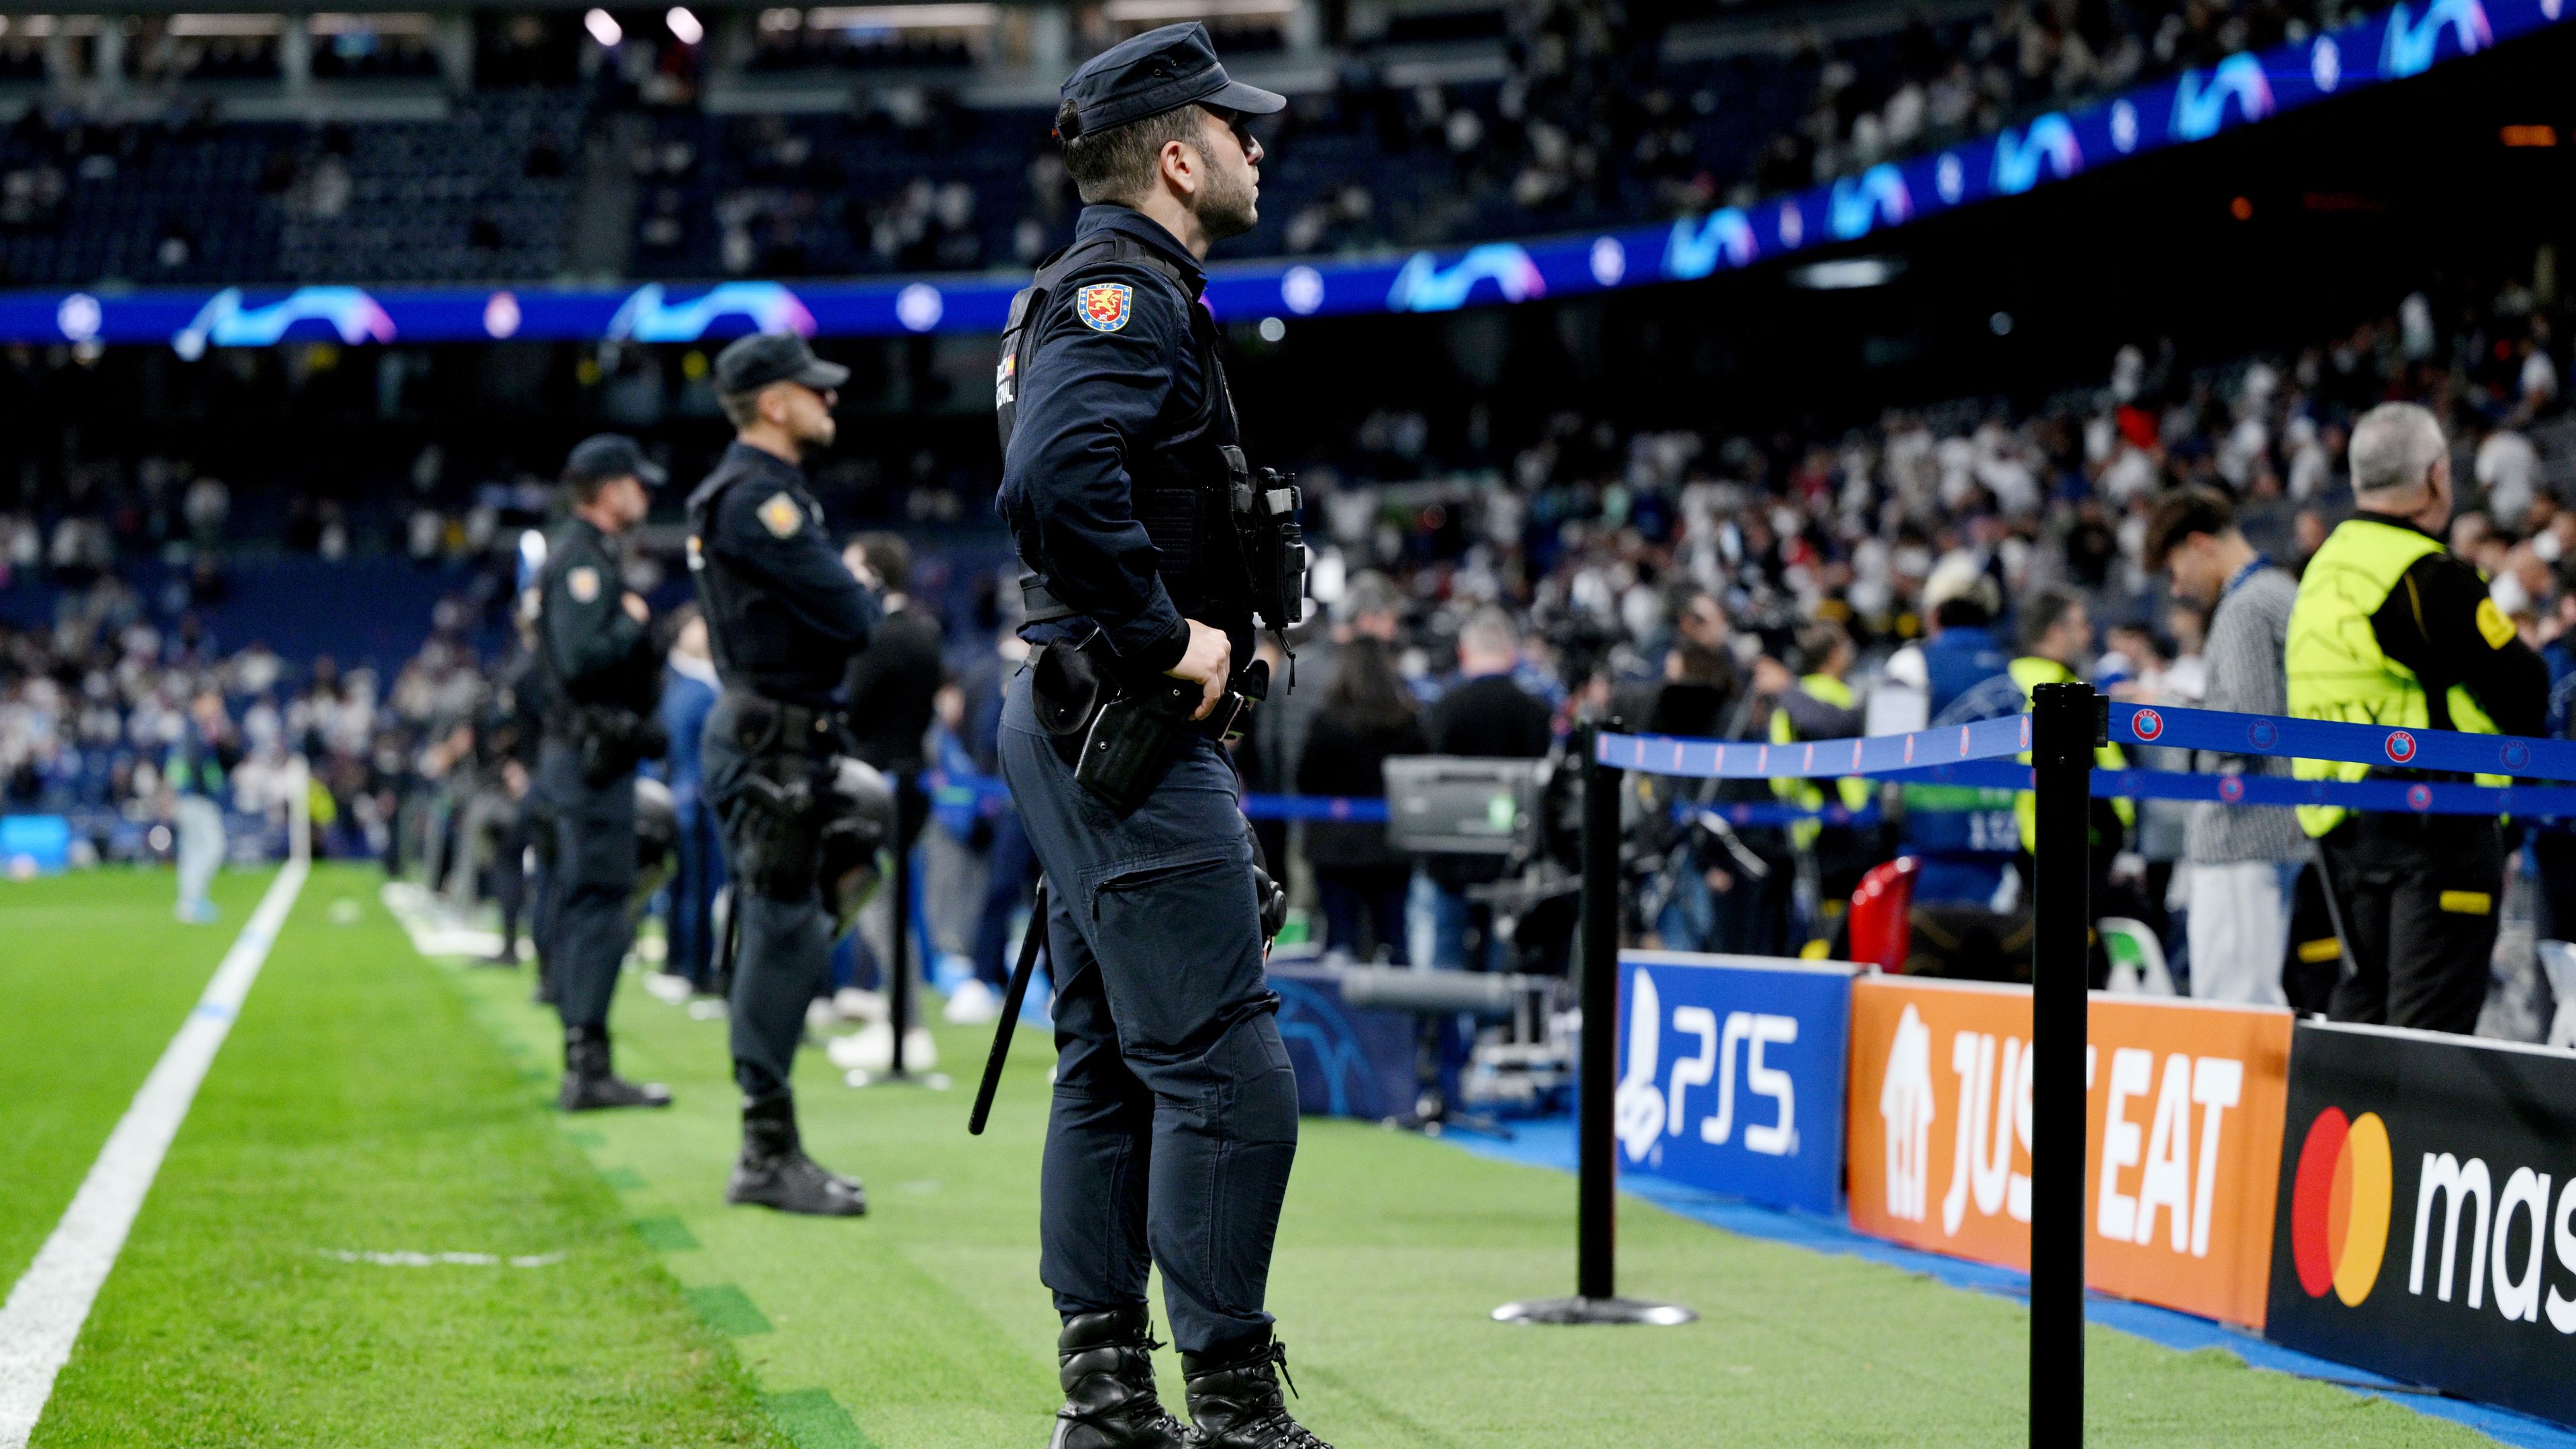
[1810, 794]
[2030, 672]
[2336, 667]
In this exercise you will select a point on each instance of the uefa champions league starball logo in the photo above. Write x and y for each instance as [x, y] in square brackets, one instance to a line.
[2148, 724]
[2401, 747]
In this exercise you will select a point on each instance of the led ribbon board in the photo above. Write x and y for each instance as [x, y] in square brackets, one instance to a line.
[2406, 40]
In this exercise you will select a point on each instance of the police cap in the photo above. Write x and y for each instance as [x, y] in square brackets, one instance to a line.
[603, 456]
[749, 364]
[1157, 71]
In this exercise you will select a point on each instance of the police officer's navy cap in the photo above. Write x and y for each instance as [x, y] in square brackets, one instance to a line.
[611, 455]
[749, 364]
[1157, 71]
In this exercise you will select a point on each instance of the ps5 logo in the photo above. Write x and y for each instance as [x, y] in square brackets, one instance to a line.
[645, 317]
[1423, 285]
[2200, 105]
[2408, 47]
[225, 322]
[1647, 1114]
[1860, 203]
[1696, 247]
[2049, 142]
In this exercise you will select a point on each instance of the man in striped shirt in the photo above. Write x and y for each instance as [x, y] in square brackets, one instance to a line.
[2244, 861]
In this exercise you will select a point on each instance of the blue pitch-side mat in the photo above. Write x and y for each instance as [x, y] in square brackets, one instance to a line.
[1549, 1142]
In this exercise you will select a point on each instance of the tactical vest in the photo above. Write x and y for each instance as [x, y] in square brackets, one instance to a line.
[1181, 483]
[636, 684]
[2336, 667]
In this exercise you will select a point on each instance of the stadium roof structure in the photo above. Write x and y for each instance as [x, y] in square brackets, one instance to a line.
[2406, 40]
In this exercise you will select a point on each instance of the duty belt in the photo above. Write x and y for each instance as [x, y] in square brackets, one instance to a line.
[789, 726]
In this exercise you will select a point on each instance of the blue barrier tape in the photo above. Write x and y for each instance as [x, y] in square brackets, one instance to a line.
[1772, 812]
[2313, 739]
[947, 789]
[2395, 796]
[1865, 755]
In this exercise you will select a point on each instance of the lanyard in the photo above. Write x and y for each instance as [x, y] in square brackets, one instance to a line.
[2253, 566]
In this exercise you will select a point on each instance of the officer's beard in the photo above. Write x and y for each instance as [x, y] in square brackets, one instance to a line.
[1230, 205]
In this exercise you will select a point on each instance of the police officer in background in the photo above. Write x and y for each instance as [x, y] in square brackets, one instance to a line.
[783, 618]
[1174, 1120]
[2392, 630]
[595, 645]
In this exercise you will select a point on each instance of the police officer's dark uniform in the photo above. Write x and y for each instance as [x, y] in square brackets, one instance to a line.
[603, 678]
[1174, 1119]
[783, 618]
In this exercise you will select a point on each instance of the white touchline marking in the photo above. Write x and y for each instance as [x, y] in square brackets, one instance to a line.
[404, 1258]
[45, 1311]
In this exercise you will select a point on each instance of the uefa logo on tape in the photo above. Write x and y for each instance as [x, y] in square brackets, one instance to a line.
[2148, 724]
[2401, 747]
[2263, 734]
[1909, 749]
[2231, 788]
[2516, 754]
[2339, 1205]
[2419, 797]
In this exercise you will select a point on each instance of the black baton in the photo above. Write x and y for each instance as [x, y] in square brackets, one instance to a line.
[1012, 996]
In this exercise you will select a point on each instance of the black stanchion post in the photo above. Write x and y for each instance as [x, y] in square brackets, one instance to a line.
[911, 809]
[1596, 1297]
[2066, 722]
[899, 949]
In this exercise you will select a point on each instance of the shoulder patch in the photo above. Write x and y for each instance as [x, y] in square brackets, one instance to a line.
[583, 584]
[2497, 629]
[781, 516]
[1103, 306]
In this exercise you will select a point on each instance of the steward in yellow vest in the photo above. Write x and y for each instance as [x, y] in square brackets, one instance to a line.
[2390, 630]
[1823, 707]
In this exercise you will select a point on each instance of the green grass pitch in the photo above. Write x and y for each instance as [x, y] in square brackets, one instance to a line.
[369, 1101]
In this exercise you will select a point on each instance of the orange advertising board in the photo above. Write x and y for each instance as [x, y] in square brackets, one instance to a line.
[2183, 1136]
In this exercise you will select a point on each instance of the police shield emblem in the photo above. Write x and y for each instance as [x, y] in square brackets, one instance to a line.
[781, 516]
[1103, 305]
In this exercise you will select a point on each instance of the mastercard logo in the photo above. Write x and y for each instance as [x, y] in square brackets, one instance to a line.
[2339, 1205]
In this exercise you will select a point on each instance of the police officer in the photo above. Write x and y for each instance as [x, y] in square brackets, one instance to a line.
[783, 618]
[595, 644]
[2391, 630]
[1174, 1120]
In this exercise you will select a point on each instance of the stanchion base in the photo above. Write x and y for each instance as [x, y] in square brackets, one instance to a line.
[1594, 1310]
[861, 1077]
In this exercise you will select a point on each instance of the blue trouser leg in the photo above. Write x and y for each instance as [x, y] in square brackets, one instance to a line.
[1174, 1120]
[594, 884]
[1007, 868]
[783, 956]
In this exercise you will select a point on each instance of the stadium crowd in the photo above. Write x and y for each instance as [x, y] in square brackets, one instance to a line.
[1678, 581]
[1575, 113]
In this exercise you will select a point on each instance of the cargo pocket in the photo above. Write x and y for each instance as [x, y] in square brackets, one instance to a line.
[1179, 944]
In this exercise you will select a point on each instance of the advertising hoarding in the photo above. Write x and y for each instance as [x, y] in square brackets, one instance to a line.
[1731, 1074]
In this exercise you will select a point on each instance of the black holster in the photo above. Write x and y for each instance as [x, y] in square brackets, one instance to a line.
[612, 740]
[773, 842]
[1121, 733]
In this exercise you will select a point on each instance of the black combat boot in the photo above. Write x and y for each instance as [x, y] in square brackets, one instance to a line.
[774, 1171]
[1106, 1362]
[589, 1085]
[1234, 1398]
